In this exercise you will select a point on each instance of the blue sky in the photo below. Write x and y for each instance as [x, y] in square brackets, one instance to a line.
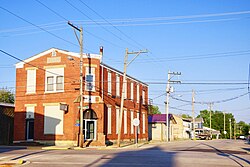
[207, 41]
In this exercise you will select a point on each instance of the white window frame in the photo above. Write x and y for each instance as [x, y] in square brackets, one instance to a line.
[132, 91]
[138, 116]
[125, 89]
[143, 97]
[54, 73]
[92, 83]
[125, 121]
[109, 82]
[132, 118]
[143, 123]
[138, 93]
[118, 85]
[30, 112]
[53, 112]
[109, 120]
[117, 118]
[31, 81]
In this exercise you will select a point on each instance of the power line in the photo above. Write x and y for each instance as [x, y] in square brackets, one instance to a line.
[111, 24]
[37, 26]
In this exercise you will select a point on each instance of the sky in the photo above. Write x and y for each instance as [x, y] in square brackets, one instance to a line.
[206, 41]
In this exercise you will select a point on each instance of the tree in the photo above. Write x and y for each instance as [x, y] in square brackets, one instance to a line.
[217, 122]
[6, 96]
[185, 116]
[154, 110]
[243, 128]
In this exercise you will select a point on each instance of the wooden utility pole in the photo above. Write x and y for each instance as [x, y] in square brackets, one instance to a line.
[168, 91]
[210, 120]
[193, 94]
[123, 89]
[80, 41]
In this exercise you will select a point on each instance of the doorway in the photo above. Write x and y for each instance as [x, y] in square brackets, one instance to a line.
[90, 133]
[30, 129]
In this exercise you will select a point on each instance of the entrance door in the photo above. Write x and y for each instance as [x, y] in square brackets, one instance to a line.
[90, 133]
[30, 129]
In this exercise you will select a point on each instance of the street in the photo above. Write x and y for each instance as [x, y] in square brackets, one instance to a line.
[177, 154]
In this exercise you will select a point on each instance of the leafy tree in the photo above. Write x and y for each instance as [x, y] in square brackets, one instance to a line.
[217, 121]
[6, 96]
[154, 110]
[185, 116]
[243, 128]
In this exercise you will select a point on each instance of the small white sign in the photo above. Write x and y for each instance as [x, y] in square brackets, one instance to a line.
[136, 122]
[225, 132]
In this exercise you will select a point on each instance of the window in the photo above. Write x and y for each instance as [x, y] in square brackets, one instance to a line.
[54, 80]
[31, 81]
[138, 116]
[143, 123]
[125, 90]
[30, 112]
[132, 90]
[132, 118]
[109, 82]
[53, 120]
[137, 93]
[59, 83]
[109, 120]
[90, 79]
[117, 119]
[125, 122]
[50, 85]
[143, 97]
[117, 85]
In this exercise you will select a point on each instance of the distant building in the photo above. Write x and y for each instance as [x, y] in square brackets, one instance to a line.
[157, 126]
[47, 100]
[6, 123]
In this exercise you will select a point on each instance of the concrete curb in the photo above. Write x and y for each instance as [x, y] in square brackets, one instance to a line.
[11, 163]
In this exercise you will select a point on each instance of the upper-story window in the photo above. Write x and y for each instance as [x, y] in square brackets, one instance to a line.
[90, 79]
[143, 97]
[117, 85]
[132, 91]
[31, 81]
[125, 89]
[54, 80]
[109, 82]
[137, 93]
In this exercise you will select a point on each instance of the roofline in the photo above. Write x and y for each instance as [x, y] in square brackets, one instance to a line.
[7, 104]
[85, 55]
[121, 73]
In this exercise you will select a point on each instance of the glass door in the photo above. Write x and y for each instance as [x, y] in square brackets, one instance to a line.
[90, 132]
[30, 130]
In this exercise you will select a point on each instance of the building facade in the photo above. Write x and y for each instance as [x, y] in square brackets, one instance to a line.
[47, 100]
[6, 123]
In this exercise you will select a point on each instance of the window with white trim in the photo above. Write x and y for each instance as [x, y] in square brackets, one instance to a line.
[109, 120]
[54, 80]
[125, 90]
[118, 85]
[143, 97]
[31, 81]
[125, 121]
[143, 124]
[132, 118]
[137, 93]
[132, 90]
[30, 110]
[138, 116]
[109, 82]
[117, 119]
[90, 79]
[53, 120]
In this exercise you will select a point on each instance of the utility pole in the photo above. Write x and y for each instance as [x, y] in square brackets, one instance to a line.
[123, 89]
[168, 90]
[80, 41]
[193, 95]
[234, 129]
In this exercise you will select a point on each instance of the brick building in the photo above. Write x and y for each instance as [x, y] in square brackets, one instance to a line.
[47, 100]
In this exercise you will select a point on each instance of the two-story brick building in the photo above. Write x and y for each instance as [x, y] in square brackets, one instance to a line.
[47, 100]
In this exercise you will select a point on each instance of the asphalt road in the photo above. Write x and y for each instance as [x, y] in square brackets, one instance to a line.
[177, 154]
